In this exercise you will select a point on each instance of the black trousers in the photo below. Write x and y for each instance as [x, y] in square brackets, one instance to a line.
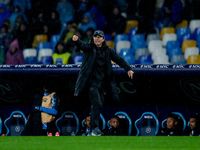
[96, 96]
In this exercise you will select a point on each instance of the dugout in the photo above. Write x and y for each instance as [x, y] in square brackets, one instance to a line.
[160, 89]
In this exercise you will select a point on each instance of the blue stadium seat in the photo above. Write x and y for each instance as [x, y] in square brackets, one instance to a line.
[145, 59]
[0, 125]
[196, 32]
[182, 31]
[31, 60]
[175, 51]
[45, 60]
[129, 59]
[43, 45]
[138, 41]
[132, 32]
[102, 122]
[78, 59]
[198, 40]
[125, 52]
[54, 40]
[120, 37]
[147, 124]
[15, 123]
[186, 37]
[172, 44]
[108, 37]
[181, 119]
[126, 121]
[68, 124]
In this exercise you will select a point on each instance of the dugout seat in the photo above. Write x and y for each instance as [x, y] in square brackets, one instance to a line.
[102, 122]
[15, 123]
[68, 124]
[125, 120]
[147, 124]
[39, 38]
[181, 121]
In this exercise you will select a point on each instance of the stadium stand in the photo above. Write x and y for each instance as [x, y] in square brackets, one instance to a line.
[141, 51]
[120, 37]
[145, 59]
[68, 124]
[154, 44]
[153, 36]
[176, 59]
[147, 124]
[15, 123]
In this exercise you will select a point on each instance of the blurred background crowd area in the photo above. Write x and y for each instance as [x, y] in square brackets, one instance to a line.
[141, 31]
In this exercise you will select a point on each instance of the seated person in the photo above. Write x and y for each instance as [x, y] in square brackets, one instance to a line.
[61, 56]
[86, 129]
[115, 127]
[172, 128]
[194, 128]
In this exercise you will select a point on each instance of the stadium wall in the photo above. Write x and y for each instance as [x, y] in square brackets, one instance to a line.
[160, 89]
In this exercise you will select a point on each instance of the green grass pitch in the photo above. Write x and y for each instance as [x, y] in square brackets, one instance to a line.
[99, 143]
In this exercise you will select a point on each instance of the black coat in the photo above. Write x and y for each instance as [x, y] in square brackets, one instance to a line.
[89, 50]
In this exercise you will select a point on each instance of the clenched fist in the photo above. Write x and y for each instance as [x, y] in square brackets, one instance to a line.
[75, 38]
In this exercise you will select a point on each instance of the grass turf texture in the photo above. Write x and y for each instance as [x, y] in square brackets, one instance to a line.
[99, 143]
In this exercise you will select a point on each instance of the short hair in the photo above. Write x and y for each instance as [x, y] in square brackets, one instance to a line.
[174, 116]
[115, 116]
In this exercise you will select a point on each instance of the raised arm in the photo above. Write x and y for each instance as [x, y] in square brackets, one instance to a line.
[85, 47]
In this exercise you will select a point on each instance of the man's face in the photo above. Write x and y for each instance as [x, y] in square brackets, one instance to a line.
[192, 123]
[171, 122]
[114, 122]
[98, 40]
[87, 122]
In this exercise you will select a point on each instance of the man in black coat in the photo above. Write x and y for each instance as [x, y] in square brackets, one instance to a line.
[96, 71]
